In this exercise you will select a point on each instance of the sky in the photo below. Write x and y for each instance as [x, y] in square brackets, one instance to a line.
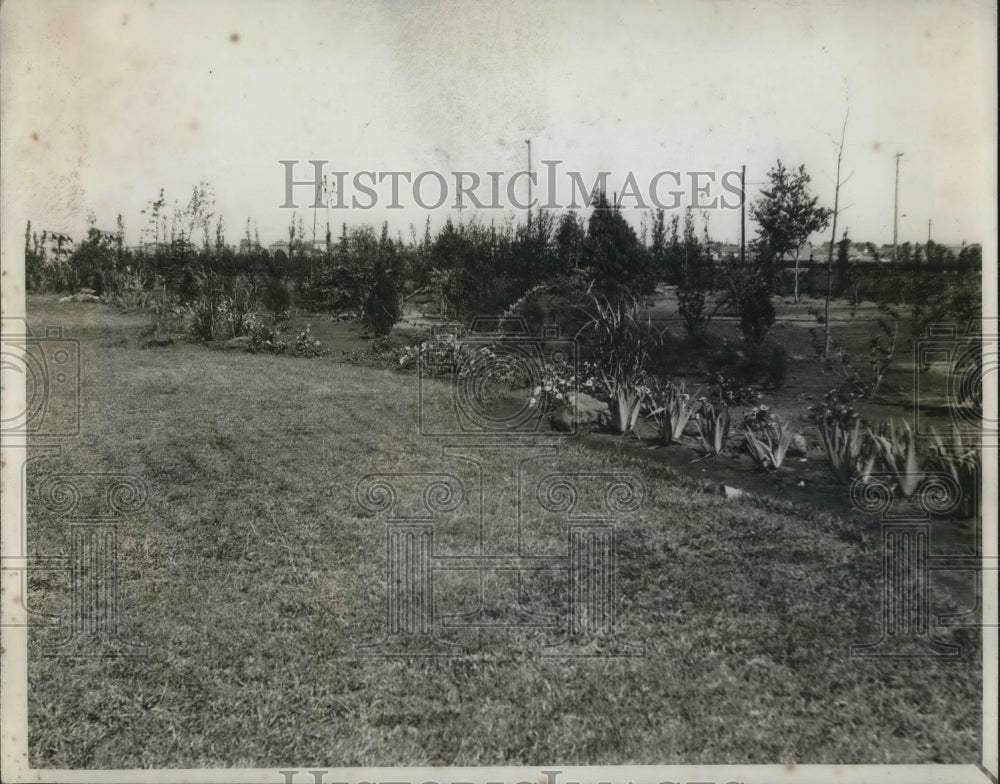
[104, 103]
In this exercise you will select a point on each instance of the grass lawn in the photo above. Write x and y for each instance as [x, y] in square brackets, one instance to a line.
[253, 578]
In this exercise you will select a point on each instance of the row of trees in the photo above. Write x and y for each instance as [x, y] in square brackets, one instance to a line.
[467, 267]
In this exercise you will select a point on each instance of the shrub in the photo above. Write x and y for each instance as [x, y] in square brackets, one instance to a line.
[723, 357]
[559, 382]
[562, 302]
[382, 347]
[220, 307]
[776, 366]
[381, 308]
[238, 305]
[440, 354]
[534, 312]
[276, 300]
[130, 292]
[691, 306]
[665, 356]
[725, 390]
[202, 314]
[492, 365]
[882, 349]
[756, 313]
[263, 336]
[764, 363]
[305, 345]
[264, 339]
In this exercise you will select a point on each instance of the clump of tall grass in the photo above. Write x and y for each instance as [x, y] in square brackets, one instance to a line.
[767, 443]
[961, 462]
[672, 409]
[850, 448]
[713, 422]
[622, 341]
[898, 451]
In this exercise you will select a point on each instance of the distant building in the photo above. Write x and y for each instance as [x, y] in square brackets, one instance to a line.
[728, 252]
[306, 247]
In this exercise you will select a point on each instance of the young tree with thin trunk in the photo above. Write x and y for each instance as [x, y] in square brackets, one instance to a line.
[833, 239]
[787, 214]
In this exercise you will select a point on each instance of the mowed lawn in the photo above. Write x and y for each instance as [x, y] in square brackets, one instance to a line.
[253, 580]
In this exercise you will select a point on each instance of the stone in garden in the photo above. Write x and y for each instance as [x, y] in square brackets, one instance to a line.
[799, 446]
[731, 492]
[589, 411]
[86, 295]
[238, 344]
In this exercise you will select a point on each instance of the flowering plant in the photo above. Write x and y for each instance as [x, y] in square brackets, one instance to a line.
[837, 405]
[435, 356]
[262, 335]
[264, 340]
[492, 368]
[305, 345]
[558, 383]
[713, 427]
[672, 408]
[766, 437]
[727, 391]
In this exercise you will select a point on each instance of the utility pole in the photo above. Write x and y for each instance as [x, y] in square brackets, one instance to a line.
[929, 221]
[895, 210]
[743, 215]
[528, 142]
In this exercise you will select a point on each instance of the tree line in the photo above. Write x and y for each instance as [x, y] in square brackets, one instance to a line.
[467, 267]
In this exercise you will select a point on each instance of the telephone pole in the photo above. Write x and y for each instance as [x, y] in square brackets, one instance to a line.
[929, 221]
[528, 142]
[743, 215]
[895, 210]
